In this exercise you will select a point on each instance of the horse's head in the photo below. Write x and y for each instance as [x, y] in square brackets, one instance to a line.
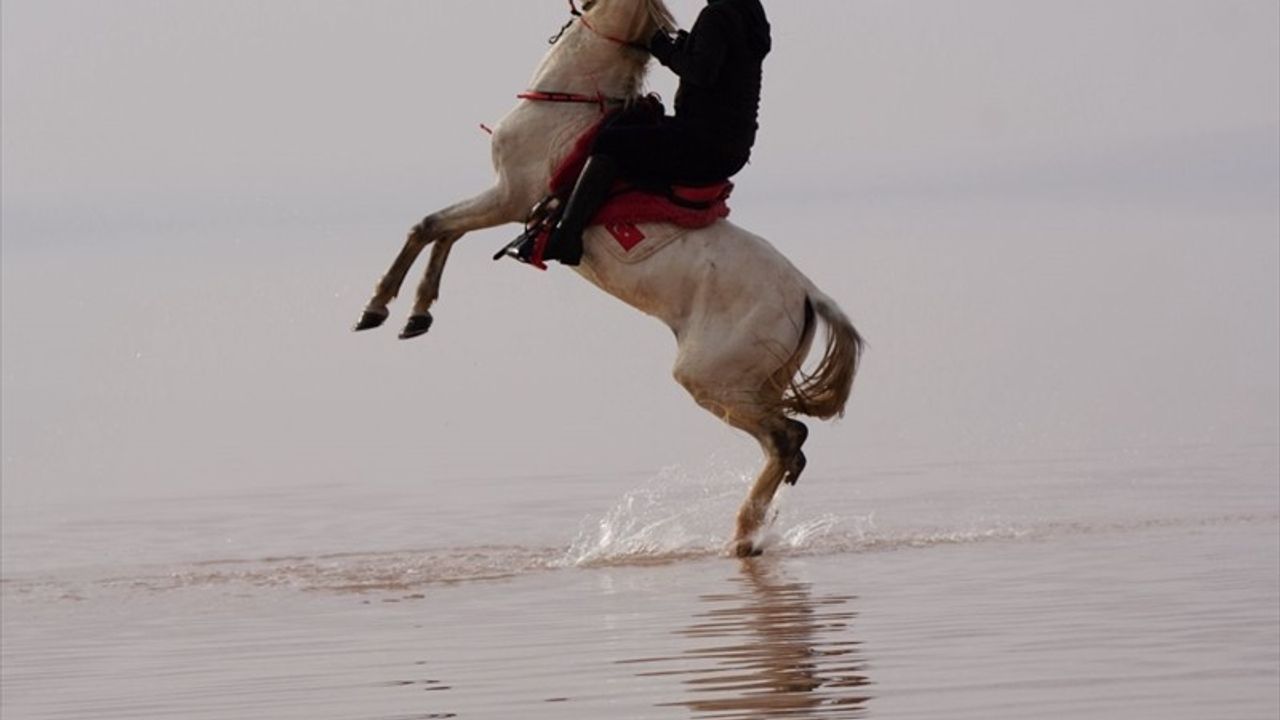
[630, 21]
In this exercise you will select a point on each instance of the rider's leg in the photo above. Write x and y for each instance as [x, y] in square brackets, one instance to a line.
[588, 195]
[643, 152]
[669, 152]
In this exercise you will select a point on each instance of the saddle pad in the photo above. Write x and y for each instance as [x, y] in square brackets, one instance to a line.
[632, 243]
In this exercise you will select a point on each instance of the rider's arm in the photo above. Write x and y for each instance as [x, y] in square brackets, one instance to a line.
[701, 56]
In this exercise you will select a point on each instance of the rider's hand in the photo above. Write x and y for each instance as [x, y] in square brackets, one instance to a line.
[662, 45]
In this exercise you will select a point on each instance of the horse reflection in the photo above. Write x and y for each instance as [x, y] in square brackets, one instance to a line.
[771, 649]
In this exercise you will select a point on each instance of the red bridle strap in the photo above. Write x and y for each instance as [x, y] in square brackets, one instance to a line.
[598, 100]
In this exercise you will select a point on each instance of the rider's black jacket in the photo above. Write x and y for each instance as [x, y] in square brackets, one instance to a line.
[719, 64]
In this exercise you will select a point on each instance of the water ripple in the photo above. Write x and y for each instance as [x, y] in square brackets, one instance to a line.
[621, 540]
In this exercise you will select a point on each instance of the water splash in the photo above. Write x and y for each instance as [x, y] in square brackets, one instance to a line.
[805, 533]
[676, 514]
[683, 513]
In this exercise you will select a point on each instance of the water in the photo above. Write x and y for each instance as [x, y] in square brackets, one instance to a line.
[1108, 584]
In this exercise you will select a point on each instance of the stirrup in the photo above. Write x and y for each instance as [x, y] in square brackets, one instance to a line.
[522, 247]
[541, 219]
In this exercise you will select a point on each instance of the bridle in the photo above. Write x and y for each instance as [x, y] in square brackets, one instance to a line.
[581, 16]
[561, 97]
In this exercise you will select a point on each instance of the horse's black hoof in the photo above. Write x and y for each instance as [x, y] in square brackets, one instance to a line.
[417, 325]
[370, 320]
[747, 549]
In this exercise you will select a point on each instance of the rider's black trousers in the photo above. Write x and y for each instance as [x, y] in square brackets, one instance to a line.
[670, 152]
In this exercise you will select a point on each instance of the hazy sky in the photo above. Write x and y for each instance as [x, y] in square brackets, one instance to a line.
[1057, 223]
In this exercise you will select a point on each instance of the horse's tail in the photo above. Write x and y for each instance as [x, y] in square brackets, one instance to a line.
[823, 392]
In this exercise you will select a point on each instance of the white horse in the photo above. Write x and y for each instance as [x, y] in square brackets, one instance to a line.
[744, 317]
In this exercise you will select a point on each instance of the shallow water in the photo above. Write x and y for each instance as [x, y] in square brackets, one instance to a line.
[1110, 584]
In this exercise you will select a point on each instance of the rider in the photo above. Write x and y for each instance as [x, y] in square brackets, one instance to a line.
[710, 137]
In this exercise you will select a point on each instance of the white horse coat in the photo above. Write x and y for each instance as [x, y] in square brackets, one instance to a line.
[744, 317]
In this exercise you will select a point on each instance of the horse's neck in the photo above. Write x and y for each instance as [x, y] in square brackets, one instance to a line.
[540, 135]
[582, 62]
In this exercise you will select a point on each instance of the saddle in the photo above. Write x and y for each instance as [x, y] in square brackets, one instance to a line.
[630, 204]
[622, 215]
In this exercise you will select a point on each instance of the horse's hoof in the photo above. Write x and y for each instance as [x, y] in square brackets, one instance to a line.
[747, 549]
[371, 319]
[417, 325]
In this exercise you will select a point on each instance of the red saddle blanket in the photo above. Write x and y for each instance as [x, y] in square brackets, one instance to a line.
[629, 206]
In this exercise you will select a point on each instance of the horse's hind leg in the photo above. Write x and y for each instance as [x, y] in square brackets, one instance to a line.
[758, 412]
[752, 513]
[779, 439]
[790, 443]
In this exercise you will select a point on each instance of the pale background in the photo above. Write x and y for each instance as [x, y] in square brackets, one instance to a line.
[1056, 223]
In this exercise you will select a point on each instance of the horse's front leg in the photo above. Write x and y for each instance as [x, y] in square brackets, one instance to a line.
[490, 208]
[429, 290]
[375, 313]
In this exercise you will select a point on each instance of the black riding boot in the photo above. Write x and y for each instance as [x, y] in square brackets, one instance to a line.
[590, 192]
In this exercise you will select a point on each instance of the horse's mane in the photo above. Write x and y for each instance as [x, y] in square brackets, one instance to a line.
[658, 13]
[662, 15]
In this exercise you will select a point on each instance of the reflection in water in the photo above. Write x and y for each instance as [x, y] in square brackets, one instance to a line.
[770, 649]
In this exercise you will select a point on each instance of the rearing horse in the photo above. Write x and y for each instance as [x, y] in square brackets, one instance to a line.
[744, 317]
